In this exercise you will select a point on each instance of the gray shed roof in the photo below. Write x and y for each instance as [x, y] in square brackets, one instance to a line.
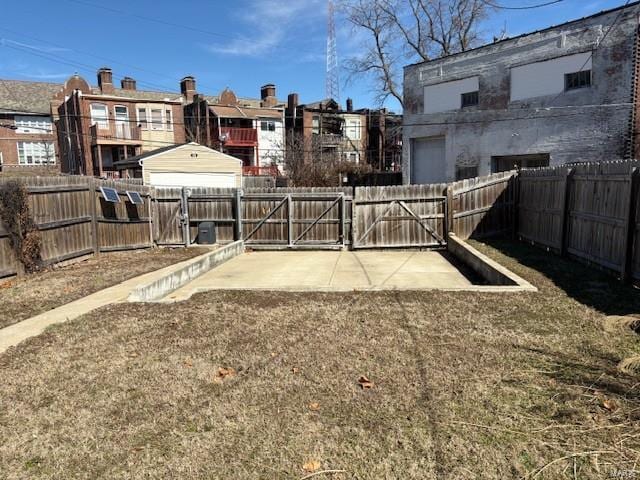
[26, 96]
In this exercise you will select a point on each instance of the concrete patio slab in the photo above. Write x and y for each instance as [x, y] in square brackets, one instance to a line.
[337, 271]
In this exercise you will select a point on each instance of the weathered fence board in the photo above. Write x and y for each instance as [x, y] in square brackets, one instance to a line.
[73, 220]
[483, 206]
[400, 216]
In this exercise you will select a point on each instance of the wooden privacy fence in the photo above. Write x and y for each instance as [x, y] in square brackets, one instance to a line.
[277, 217]
[400, 216]
[74, 220]
[588, 211]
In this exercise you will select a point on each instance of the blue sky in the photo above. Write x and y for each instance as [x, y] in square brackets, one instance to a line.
[241, 44]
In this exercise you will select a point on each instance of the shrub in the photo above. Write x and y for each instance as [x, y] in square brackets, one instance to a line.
[23, 235]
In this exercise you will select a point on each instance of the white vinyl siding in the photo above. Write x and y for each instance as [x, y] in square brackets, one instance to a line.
[33, 124]
[446, 96]
[546, 78]
[36, 153]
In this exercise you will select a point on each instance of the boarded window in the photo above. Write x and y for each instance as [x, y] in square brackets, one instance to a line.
[156, 119]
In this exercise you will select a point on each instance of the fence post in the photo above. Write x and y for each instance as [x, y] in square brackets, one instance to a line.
[343, 214]
[630, 226]
[237, 226]
[515, 205]
[184, 206]
[448, 211]
[93, 198]
[289, 220]
[565, 212]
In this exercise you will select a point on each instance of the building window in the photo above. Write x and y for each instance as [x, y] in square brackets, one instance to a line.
[156, 119]
[353, 129]
[267, 126]
[576, 80]
[168, 119]
[469, 99]
[36, 153]
[315, 124]
[142, 118]
[353, 157]
[99, 115]
[466, 172]
[33, 124]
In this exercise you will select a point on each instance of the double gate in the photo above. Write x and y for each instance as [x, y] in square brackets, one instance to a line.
[263, 218]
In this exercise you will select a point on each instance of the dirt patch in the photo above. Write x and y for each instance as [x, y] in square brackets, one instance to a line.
[33, 294]
[249, 385]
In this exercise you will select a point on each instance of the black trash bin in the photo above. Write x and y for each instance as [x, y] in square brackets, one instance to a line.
[206, 233]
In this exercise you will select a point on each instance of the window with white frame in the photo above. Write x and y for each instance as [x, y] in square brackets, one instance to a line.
[156, 119]
[33, 124]
[36, 153]
[99, 115]
[142, 118]
[315, 124]
[268, 126]
[168, 118]
[353, 129]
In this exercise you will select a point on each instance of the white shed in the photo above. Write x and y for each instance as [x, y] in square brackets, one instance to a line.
[187, 165]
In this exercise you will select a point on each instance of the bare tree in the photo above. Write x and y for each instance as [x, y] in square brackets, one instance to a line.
[402, 31]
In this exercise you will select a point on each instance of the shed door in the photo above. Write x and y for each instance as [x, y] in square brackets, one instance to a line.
[428, 160]
[196, 179]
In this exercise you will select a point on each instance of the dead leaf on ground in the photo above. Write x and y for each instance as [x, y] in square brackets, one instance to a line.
[188, 363]
[314, 406]
[295, 370]
[365, 383]
[224, 373]
[311, 466]
[610, 404]
[7, 284]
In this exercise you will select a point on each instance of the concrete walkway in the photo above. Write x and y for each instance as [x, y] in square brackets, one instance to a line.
[16, 333]
[329, 271]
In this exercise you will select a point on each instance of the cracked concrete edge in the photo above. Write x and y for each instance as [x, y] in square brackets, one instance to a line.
[163, 285]
[500, 278]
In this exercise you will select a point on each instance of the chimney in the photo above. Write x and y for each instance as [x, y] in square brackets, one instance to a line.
[268, 95]
[128, 83]
[292, 101]
[188, 88]
[349, 105]
[105, 80]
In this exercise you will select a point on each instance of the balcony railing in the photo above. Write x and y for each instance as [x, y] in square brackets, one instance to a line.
[114, 133]
[252, 171]
[328, 139]
[239, 137]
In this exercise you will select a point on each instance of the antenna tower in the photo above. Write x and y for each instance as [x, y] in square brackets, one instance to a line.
[332, 78]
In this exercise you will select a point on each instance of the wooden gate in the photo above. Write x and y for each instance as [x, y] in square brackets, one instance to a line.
[294, 220]
[402, 216]
[170, 221]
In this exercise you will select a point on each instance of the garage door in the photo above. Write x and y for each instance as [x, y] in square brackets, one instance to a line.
[177, 179]
[428, 160]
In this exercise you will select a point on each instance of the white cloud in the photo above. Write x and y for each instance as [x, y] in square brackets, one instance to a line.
[271, 22]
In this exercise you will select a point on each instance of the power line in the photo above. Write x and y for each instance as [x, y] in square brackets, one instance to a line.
[524, 7]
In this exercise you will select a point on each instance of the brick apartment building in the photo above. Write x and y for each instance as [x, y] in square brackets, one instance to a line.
[101, 125]
[249, 129]
[567, 93]
[323, 130]
[28, 134]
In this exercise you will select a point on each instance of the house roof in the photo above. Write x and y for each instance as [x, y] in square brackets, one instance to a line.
[242, 101]
[140, 94]
[133, 161]
[26, 96]
[232, 111]
[509, 39]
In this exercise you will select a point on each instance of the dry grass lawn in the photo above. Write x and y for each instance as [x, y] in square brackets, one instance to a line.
[25, 297]
[261, 385]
